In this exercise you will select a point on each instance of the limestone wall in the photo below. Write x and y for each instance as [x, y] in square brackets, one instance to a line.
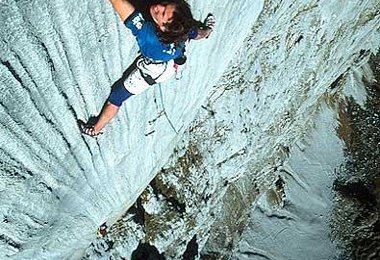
[247, 94]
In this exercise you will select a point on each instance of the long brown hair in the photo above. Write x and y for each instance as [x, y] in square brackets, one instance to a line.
[181, 23]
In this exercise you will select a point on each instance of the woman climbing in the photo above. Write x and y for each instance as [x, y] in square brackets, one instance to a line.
[161, 37]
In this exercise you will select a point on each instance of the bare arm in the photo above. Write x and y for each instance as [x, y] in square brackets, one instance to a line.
[123, 7]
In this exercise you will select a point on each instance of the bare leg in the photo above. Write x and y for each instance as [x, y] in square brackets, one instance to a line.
[109, 111]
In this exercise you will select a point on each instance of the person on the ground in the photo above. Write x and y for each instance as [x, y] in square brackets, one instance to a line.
[161, 38]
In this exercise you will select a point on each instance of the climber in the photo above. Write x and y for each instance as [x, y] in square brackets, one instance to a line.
[102, 230]
[161, 37]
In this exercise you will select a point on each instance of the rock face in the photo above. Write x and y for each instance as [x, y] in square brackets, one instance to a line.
[199, 150]
[292, 216]
[356, 215]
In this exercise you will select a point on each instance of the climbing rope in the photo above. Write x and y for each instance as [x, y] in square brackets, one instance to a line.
[166, 114]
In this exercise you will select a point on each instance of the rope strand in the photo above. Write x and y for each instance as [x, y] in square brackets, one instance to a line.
[166, 115]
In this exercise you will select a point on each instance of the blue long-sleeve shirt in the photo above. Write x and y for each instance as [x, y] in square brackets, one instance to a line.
[147, 39]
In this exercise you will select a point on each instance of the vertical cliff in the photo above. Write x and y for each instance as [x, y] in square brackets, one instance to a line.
[58, 62]
[214, 139]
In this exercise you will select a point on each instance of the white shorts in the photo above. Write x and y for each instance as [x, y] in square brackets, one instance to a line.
[146, 74]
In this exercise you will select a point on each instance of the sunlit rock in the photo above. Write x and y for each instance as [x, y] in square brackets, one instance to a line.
[177, 171]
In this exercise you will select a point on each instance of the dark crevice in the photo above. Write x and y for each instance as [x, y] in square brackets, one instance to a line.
[10, 242]
[48, 57]
[299, 39]
[138, 212]
[253, 254]
[280, 183]
[357, 191]
[110, 245]
[211, 256]
[13, 167]
[147, 252]
[50, 189]
[12, 172]
[172, 201]
[337, 82]
[12, 71]
[37, 220]
[191, 250]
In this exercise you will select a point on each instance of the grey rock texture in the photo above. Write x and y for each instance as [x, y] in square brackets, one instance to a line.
[356, 215]
[58, 62]
[291, 219]
[249, 92]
